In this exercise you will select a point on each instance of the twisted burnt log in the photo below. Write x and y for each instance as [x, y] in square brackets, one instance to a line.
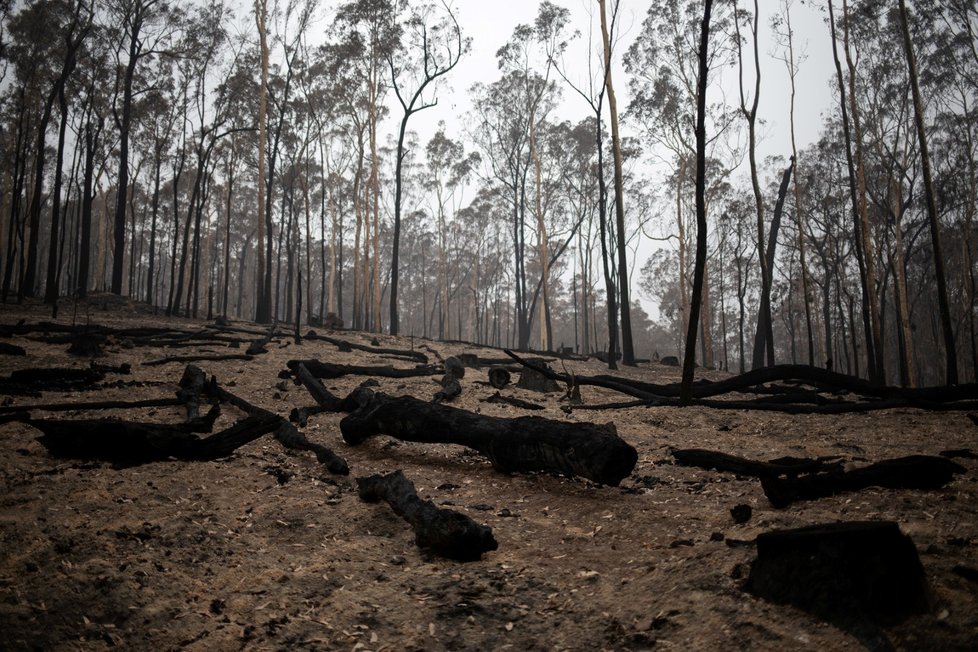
[958, 397]
[707, 459]
[911, 472]
[587, 450]
[133, 443]
[345, 345]
[329, 370]
[444, 532]
[198, 358]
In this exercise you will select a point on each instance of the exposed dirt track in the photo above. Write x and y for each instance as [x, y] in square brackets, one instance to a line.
[266, 550]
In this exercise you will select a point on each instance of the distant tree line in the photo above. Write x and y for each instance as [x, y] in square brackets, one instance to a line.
[263, 165]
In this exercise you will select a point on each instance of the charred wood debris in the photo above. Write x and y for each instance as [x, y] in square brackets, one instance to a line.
[594, 452]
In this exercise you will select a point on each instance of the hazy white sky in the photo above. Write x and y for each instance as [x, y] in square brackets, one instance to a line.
[491, 23]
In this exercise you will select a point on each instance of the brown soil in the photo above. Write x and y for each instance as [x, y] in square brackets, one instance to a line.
[266, 550]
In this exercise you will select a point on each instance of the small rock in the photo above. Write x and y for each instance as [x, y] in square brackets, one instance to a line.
[717, 536]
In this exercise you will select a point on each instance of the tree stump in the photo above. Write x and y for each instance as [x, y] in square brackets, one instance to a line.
[849, 574]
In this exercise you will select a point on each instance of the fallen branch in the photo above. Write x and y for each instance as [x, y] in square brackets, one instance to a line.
[131, 443]
[326, 399]
[911, 472]
[329, 370]
[723, 462]
[445, 532]
[344, 345]
[588, 450]
[512, 400]
[285, 432]
[198, 358]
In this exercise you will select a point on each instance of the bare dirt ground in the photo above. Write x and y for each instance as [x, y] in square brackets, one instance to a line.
[265, 550]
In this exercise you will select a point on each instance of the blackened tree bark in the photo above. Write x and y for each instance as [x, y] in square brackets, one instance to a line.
[689, 359]
[432, 67]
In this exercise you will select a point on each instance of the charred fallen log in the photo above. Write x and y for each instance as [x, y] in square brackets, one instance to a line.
[511, 400]
[198, 358]
[588, 450]
[344, 345]
[327, 400]
[911, 472]
[329, 370]
[93, 405]
[707, 459]
[130, 443]
[444, 532]
[11, 349]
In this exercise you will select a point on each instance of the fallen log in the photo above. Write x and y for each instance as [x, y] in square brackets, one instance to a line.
[344, 345]
[707, 459]
[911, 472]
[444, 532]
[326, 399]
[132, 443]
[858, 575]
[652, 399]
[588, 450]
[290, 437]
[512, 400]
[11, 349]
[198, 358]
[93, 405]
[329, 370]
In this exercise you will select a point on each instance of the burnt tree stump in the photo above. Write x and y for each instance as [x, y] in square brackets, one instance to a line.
[587, 450]
[442, 531]
[849, 574]
[535, 381]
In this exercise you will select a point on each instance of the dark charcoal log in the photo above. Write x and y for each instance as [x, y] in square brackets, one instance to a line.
[130, 443]
[846, 573]
[510, 400]
[587, 450]
[11, 349]
[94, 405]
[328, 370]
[344, 345]
[289, 437]
[706, 459]
[198, 358]
[911, 472]
[30, 382]
[326, 399]
[450, 388]
[442, 531]
[498, 377]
